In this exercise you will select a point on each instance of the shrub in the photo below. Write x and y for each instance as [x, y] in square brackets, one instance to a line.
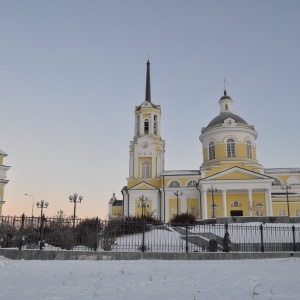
[87, 233]
[212, 246]
[183, 219]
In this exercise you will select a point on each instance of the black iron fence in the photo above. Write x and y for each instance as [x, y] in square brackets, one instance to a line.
[139, 235]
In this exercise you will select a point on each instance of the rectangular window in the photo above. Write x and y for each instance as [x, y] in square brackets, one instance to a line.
[281, 212]
[297, 212]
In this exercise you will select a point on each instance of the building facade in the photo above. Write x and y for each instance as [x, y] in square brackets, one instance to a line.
[3, 180]
[230, 181]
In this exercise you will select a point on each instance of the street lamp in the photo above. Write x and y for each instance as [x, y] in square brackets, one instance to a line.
[143, 200]
[60, 213]
[287, 188]
[177, 194]
[212, 190]
[42, 205]
[75, 200]
[32, 203]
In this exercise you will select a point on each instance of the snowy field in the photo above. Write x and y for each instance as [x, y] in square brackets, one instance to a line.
[150, 279]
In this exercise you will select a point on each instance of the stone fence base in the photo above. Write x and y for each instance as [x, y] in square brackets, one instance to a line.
[90, 255]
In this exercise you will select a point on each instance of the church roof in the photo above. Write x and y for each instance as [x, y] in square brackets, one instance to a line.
[223, 116]
[180, 172]
[2, 153]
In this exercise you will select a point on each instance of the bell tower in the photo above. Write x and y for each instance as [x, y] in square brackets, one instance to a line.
[146, 154]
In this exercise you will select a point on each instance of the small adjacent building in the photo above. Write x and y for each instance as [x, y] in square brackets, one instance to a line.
[3, 180]
[229, 182]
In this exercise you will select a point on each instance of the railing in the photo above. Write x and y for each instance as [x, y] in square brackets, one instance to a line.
[118, 235]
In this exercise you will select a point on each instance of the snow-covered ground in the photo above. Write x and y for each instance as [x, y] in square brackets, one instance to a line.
[150, 279]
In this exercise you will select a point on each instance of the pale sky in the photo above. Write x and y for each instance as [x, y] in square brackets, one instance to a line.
[72, 72]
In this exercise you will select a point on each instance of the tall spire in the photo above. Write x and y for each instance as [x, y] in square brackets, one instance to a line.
[148, 89]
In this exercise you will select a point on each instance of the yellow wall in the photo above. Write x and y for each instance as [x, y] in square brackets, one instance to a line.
[1, 160]
[155, 182]
[221, 152]
[242, 198]
[117, 211]
[281, 204]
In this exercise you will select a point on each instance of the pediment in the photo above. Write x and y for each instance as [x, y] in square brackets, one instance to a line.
[143, 186]
[237, 173]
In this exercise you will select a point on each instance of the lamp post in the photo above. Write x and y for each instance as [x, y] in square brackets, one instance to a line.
[75, 199]
[287, 188]
[212, 190]
[143, 200]
[60, 213]
[42, 205]
[177, 194]
[32, 203]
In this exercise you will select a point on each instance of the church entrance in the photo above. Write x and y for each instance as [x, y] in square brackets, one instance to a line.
[236, 213]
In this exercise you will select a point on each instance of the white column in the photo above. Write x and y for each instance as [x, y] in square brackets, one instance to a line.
[204, 204]
[167, 208]
[250, 203]
[224, 203]
[268, 198]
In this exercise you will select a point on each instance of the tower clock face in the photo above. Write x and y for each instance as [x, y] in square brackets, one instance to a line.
[144, 145]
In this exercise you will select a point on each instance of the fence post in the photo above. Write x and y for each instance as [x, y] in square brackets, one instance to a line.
[186, 237]
[22, 229]
[294, 241]
[143, 240]
[43, 219]
[97, 230]
[262, 238]
[226, 240]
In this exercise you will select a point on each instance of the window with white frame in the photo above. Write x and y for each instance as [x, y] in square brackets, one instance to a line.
[174, 183]
[193, 210]
[146, 126]
[192, 183]
[145, 169]
[281, 212]
[235, 204]
[297, 212]
[249, 150]
[259, 209]
[211, 151]
[230, 148]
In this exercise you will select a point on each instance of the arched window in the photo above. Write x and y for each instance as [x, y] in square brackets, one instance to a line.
[192, 183]
[174, 183]
[230, 148]
[155, 125]
[146, 126]
[249, 150]
[211, 151]
[236, 204]
[145, 169]
[226, 106]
